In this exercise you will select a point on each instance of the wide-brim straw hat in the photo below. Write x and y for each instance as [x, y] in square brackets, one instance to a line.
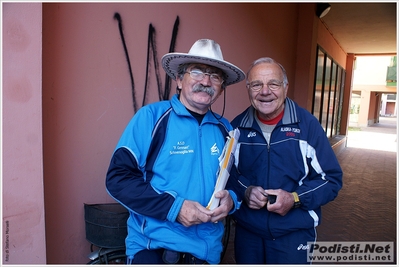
[204, 51]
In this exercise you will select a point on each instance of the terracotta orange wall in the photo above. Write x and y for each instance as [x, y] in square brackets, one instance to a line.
[311, 32]
[22, 171]
[328, 43]
[87, 96]
[302, 88]
[374, 106]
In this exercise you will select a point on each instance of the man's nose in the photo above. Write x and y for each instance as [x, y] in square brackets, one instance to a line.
[206, 80]
[265, 90]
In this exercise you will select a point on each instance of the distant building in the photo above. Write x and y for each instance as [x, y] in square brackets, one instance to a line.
[374, 90]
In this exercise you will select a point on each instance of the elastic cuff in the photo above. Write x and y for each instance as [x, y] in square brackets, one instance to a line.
[175, 209]
[237, 204]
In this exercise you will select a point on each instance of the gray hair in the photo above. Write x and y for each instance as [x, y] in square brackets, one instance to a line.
[270, 61]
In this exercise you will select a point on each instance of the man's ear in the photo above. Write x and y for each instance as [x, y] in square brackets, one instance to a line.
[179, 83]
[286, 90]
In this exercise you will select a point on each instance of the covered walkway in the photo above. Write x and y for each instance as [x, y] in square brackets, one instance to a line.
[365, 209]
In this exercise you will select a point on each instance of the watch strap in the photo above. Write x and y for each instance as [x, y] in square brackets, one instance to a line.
[297, 201]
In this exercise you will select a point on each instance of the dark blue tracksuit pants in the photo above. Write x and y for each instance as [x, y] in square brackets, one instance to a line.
[250, 248]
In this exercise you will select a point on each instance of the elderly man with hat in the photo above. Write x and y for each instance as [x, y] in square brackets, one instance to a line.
[164, 167]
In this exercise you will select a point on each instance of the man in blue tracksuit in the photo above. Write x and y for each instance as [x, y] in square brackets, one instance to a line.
[286, 171]
[164, 167]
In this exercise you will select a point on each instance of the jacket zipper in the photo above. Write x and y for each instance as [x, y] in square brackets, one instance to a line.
[268, 177]
[200, 157]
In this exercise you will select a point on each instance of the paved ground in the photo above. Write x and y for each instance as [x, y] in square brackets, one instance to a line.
[365, 209]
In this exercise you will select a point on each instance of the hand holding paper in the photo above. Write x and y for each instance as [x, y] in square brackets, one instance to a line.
[226, 160]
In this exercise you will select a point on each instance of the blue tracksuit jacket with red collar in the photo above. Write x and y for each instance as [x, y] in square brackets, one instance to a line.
[298, 158]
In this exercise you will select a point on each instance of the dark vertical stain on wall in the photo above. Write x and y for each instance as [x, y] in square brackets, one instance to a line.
[118, 17]
[171, 49]
[151, 47]
[151, 50]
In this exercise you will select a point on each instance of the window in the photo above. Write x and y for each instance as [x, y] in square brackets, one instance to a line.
[318, 84]
[327, 101]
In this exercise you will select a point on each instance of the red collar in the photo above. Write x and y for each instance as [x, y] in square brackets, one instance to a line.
[272, 121]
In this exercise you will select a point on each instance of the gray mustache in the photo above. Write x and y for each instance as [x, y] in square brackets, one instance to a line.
[207, 89]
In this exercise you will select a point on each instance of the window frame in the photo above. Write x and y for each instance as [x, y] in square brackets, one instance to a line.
[328, 92]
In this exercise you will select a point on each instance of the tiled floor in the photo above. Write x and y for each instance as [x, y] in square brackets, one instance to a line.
[365, 209]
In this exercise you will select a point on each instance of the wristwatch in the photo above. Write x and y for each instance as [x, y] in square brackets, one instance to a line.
[297, 201]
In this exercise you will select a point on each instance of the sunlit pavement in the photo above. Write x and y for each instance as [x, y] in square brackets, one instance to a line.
[366, 206]
[381, 136]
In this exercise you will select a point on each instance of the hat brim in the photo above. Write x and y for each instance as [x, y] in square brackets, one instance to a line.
[171, 62]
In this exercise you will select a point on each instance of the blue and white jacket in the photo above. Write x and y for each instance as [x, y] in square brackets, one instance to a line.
[298, 158]
[153, 185]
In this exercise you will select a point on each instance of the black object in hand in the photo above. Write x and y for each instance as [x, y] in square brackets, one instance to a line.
[271, 198]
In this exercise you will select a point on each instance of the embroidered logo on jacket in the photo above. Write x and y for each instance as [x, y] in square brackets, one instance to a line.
[214, 150]
[303, 247]
[251, 134]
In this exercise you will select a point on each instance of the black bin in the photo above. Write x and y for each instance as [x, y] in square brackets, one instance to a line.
[106, 224]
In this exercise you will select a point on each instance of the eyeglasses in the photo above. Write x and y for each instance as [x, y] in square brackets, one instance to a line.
[199, 76]
[258, 85]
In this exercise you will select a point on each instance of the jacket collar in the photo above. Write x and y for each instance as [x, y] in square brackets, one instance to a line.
[181, 110]
[290, 115]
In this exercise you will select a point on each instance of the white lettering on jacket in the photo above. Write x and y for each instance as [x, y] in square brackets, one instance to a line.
[289, 129]
[181, 149]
